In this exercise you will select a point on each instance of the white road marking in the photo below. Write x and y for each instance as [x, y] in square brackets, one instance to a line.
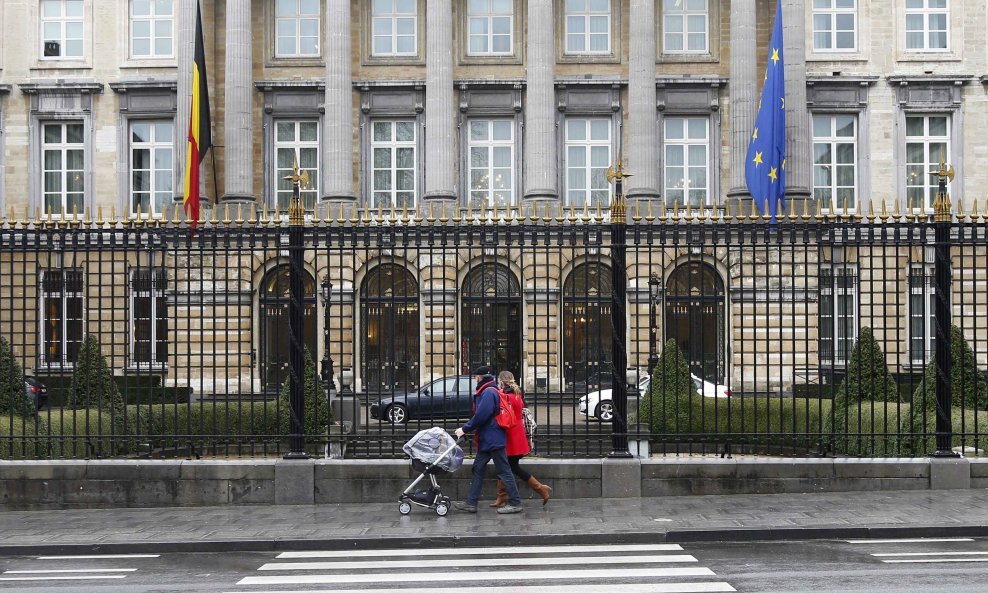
[477, 551]
[931, 554]
[67, 570]
[909, 541]
[79, 578]
[935, 560]
[477, 562]
[98, 557]
[445, 577]
[646, 588]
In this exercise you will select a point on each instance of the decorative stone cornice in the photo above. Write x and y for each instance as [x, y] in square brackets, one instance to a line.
[930, 79]
[145, 84]
[61, 86]
[295, 85]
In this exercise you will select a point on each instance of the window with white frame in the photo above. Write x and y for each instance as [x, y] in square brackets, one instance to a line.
[685, 26]
[927, 141]
[393, 164]
[588, 155]
[151, 158]
[152, 32]
[492, 148]
[62, 29]
[922, 314]
[61, 316]
[687, 157]
[926, 25]
[394, 23]
[490, 23]
[835, 25]
[838, 313]
[63, 167]
[149, 316]
[588, 26]
[835, 140]
[296, 141]
[296, 28]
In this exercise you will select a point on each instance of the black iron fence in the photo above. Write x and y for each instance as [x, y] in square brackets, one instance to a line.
[816, 334]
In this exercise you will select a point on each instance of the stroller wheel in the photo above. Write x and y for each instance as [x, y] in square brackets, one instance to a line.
[405, 508]
[442, 509]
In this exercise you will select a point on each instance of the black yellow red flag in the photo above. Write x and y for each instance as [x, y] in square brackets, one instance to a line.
[200, 139]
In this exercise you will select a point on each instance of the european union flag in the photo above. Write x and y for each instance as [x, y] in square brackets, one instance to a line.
[765, 168]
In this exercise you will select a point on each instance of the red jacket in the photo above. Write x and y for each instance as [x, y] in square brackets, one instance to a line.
[517, 439]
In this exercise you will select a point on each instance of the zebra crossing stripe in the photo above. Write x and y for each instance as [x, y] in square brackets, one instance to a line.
[478, 562]
[68, 570]
[98, 557]
[903, 554]
[493, 576]
[712, 587]
[908, 541]
[73, 578]
[499, 551]
[930, 560]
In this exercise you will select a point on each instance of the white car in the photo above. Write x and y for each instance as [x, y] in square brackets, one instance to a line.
[598, 403]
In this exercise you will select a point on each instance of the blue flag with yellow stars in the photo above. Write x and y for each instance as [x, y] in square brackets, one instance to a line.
[765, 167]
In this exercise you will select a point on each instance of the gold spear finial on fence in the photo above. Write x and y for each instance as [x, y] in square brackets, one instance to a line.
[75, 216]
[974, 213]
[871, 213]
[252, 216]
[896, 212]
[960, 210]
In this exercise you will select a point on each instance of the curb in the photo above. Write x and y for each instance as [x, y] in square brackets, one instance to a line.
[453, 541]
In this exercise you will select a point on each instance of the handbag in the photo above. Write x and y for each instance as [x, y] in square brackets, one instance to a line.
[528, 421]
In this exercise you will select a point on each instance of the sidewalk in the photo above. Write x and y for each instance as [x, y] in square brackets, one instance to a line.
[671, 519]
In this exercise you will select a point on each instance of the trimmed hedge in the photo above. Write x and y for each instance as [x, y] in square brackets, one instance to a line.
[318, 414]
[92, 380]
[12, 397]
[667, 407]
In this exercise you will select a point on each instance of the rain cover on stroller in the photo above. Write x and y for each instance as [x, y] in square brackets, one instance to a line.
[429, 444]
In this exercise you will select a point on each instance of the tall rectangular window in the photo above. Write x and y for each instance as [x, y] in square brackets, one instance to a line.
[151, 158]
[61, 316]
[926, 25]
[394, 27]
[63, 161]
[492, 148]
[152, 29]
[838, 313]
[62, 29]
[922, 314]
[393, 178]
[588, 155]
[687, 150]
[588, 26]
[835, 139]
[927, 141]
[296, 140]
[685, 26]
[149, 316]
[490, 25]
[835, 25]
[297, 28]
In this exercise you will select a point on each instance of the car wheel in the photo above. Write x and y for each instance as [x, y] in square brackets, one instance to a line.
[397, 414]
[605, 411]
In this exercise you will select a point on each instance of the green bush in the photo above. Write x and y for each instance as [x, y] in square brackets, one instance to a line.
[867, 380]
[13, 400]
[19, 438]
[81, 434]
[666, 408]
[318, 414]
[93, 385]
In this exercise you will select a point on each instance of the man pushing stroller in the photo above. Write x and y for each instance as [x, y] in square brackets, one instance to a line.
[491, 443]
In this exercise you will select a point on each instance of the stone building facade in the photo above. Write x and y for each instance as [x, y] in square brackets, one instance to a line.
[438, 106]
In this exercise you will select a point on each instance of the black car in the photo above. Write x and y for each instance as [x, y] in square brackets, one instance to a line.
[35, 391]
[444, 398]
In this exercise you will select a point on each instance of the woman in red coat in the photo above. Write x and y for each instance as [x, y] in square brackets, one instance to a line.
[517, 446]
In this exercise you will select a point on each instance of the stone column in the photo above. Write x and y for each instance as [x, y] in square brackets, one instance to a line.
[541, 182]
[641, 157]
[337, 140]
[238, 129]
[440, 178]
[743, 89]
[185, 31]
[797, 115]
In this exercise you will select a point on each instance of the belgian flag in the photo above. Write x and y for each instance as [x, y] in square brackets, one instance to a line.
[200, 140]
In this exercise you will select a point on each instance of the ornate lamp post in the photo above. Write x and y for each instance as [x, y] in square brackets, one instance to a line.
[296, 359]
[326, 368]
[653, 299]
[619, 279]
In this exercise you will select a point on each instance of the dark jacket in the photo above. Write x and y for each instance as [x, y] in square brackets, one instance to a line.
[486, 405]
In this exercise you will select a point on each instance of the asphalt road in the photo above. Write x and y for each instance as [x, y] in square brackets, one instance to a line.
[900, 566]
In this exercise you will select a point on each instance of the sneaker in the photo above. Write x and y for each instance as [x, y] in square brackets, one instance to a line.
[509, 509]
[463, 506]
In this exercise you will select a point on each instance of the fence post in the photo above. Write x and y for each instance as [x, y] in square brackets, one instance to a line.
[619, 280]
[296, 358]
[942, 274]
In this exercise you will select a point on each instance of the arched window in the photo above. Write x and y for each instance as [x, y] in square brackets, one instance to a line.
[695, 311]
[389, 322]
[275, 341]
[491, 320]
[587, 327]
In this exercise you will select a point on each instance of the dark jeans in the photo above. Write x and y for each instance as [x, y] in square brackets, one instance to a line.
[516, 469]
[503, 471]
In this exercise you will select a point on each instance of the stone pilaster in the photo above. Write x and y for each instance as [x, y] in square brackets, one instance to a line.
[743, 89]
[238, 129]
[541, 182]
[337, 143]
[642, 161]
[185, 31]
[440, 176]
[797, 116]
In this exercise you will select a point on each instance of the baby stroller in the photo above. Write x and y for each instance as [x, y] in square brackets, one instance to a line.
[433, 452]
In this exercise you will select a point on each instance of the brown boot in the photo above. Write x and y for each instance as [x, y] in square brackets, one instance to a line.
[502, 495]
[542, 490]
